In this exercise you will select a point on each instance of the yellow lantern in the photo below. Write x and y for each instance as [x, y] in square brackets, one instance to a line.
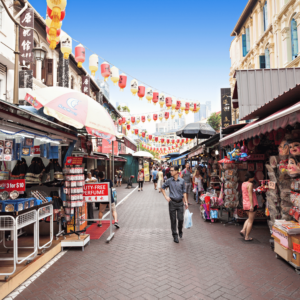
[191, 106]
[149, 94]
[172, 113]
[149, 118]
[124, 126]
[57, 6]
[138, 120]
[182, 106]
[186, 112]
[173, 103]
[161, 100]
[160, 116]
[93, 64]
[134, 87]
[52, 34]
[114, 75]
[179, 113]
[132, 131]
[66, 45]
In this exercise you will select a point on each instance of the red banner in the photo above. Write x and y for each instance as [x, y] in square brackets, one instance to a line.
[13, 185]
[72, 160]
[95, 192]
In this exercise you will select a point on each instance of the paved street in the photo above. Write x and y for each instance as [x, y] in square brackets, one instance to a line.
[143, 262]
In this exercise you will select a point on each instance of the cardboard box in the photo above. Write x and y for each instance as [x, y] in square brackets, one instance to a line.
[296, 242]
[296, 258]
[283, 252]
[282, 236]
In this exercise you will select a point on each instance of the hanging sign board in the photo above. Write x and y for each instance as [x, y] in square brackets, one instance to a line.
[95, 192]
[13, 185]
[226, 107]
[73, 160]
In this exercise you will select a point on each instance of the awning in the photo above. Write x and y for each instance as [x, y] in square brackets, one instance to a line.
[196, 152]
[199, 130]
[178, 161]
[280, 119]
[128, 143]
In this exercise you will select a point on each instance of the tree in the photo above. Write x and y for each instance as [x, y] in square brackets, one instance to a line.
[125, 109]
[215, 121]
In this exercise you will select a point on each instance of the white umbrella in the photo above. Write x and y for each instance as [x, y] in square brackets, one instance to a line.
[143, 154]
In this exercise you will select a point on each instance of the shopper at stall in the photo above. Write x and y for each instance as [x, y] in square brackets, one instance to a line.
[160, 179]
[140, 179]
[177, 199]
[250, 205]
[155, 178]
[119, 178]
[104, 205]
[197, 184]
[186, 175]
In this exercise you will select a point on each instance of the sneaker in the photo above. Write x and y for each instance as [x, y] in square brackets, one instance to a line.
[117, 225]
[99, 225]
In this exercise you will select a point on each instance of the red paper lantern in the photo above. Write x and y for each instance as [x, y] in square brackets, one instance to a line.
[132, 120]
[49, 13]
[143, 119]
[128, 126]
[156, 139]
[168, 102]
[167, 114]
[105, 69]
[155, 97]
[187, 106]
[178, 105]
[173, 142]
[178, 141]
[141, 92]
[122, 81]
[155, 117]
[143, 134]
[150, 137]
[120, 122]
[79, 55]
[168, 141]
[195, 107]
[162, 140]
[123, 120]
[136, 131]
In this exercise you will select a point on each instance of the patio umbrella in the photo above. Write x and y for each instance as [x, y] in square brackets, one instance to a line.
[143, 154]
[199, 130]
[225, 161]
[75, 109]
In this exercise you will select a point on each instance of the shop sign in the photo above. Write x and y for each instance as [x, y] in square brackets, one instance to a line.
[95, 192]
[257, 157]
[31, 100]
[74, 160]
[13, 185]
[26, 37]
[226, 107]
[86, 85]
[36, 150]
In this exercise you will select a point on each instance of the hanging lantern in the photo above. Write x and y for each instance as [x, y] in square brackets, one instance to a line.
[155, 97]
[178, 105]
[53, 36]
[120, 122]
[79, 55]
[162, 140]
[167, 114]
[132, 120]
[187, 107]
[194, 110]
[123, 120]
[173, 141]
[178, 141]
[155, 117]
[149, 118]
[114, 75]
[143, 134]
[132, 131]
[161, 100]
[58, 31]
[172, 114]
[128, 126]
[138, 120]
[160, 116]
[149, 94]
[198, 106]
[136, 131]
[66, 45]
[124, 126]
[191, 106]
[56, 40]
[150, 137]
[182, 106]
[128, 120]
[134, 87]
[150, 148]
[147, 136]
[105, 70]
[182, 141]
[50, 15]
[141, 91]
[186, 141]
[93, 64]
[179, 113]
[122, 81]
[168, 141]
[168, 102]
[156, 139]
[143, 119]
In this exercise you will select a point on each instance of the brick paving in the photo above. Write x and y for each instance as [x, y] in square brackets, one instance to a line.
[143, 262]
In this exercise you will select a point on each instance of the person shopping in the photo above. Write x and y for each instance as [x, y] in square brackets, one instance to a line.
[140, 179]
[250, 205]
[177, 199]
[197, 184]
[160, 179]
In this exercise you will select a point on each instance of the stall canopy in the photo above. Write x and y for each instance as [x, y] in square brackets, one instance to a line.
[280, 119]
[180, 160]
[199, 130]
[255, 91]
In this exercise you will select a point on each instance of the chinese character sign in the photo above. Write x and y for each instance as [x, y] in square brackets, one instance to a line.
[26, 37]
[86, 85]
[226, 107]
[95, 192]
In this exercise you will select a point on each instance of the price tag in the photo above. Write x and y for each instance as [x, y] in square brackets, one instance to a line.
[272, 185]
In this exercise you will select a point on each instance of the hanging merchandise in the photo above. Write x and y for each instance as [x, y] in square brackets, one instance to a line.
[167, 114]
[141, 91]
[160, 116]
[128, 126]
[161, 100]
[149, 94]
[105, 70]
[179, 113]
[149, 118]
[122, 81]
[168, 102]
[114, 75]
[93, 64]
[66, 45]
[172, 113]
[155, 117]
[143, 119]
[132, 120]
[134, 87]
[79, 55]
[155, 97]
[138, 120]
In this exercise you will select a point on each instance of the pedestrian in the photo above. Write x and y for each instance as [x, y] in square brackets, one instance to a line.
[155, 178]
[177, 199]
[151, 171]
[250, 205]
[186, 175]
[197, 184]
[90, 207]
[203, 173]
[119, 178]
[160, 180]
[104, 205]
[140, 179]
[163, 170]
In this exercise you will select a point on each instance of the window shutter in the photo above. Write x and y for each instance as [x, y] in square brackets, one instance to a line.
[244, 45]
[265, 15]
[294, 37]
[247, 39]
[267, 59]
[262, 61]
[44, 71]
[49, 75]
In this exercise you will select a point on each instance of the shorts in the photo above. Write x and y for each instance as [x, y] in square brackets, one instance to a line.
[255, 208]
[188, 187]
[103, 206]
[119, 179]
[154, 180]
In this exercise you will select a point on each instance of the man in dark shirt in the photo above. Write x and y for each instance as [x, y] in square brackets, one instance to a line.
[177, 198]
[103, 205]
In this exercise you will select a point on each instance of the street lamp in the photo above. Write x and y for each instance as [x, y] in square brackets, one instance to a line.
[38, 52]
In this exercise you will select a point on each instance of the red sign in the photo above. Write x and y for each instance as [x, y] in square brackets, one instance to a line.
[35, 150]
[95, 192]
[36, 104]
[13, 185]
[107, 147]
[72, 160]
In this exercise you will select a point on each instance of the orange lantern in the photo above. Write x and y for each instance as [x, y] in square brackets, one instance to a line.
[141, 91]
[132, 120]
[122, 81]
[155, 97]
[168, 102]
[143, 119]
[50, 14]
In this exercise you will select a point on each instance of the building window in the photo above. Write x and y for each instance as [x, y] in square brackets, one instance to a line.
[294, 39]
[267, 59]
[1, 16]
[246, 42]
[262, 61]
[266, 16]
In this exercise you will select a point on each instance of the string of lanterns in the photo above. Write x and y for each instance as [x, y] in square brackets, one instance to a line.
[160, 150]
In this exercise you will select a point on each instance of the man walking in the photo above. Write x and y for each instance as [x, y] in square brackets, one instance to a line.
[186, 175]
[177, 198]
[155, 177]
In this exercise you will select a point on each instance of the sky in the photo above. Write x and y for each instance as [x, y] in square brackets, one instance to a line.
[177, 47]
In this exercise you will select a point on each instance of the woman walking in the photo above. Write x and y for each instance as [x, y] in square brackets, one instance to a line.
[160, 179]
[250, 205]
[140, 179]
[197, 184]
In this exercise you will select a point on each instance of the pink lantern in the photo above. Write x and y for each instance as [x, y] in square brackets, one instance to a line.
[80, 55]
[168, 102]
[122, 81]
[105, 70]
[155, 97]
[141, 91]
